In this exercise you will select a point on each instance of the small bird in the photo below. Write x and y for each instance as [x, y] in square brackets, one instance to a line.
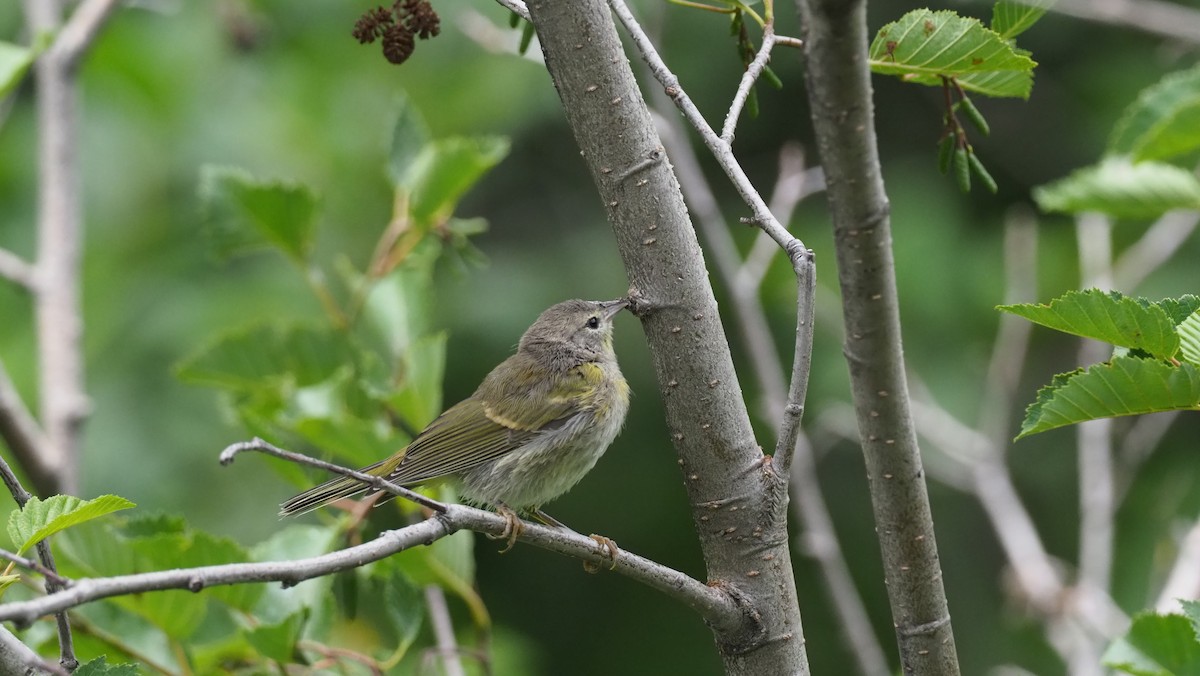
[537, 424]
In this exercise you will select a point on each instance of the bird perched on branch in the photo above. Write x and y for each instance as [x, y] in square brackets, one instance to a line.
[537, 424]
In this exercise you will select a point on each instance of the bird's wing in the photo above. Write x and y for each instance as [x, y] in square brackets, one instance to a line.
[492, 422]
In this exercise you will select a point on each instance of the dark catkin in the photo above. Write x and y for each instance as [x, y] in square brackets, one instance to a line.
[398, 27]
[398, 44]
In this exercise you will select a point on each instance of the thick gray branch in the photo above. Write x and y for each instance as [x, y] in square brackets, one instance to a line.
[742, 534]
[839, 91]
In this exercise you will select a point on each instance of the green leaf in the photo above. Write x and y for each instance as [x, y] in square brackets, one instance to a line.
[277, 642]
[1179, 309]
[409, 135]
[419, 400]
[1110, 317]
[1189, 338]
[1158, 645]
[7, 581]
[1163, 122]
[1123, 386]
[100, 667]
[924, 46]
[1191, 609]
[14, 61]
[443, 172]
[40, 519]
[1010, 19]
[243, 213]
[254, 357]
[1122, 189]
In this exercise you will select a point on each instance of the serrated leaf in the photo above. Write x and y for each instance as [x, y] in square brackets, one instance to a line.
[924, 46]
[40, 519]
[1123, 386]
[250, 358]
[14, 61]
[443, 172]
[1178, 309]
[1158, 645]
[1010, 19]
[1110, 317]
[1191, 609]
[1189, 338]
[1163, 122]
[1122, 189]
[101, 667]
[243, 213]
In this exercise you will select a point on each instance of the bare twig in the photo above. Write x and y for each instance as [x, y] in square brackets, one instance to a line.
[443, 630]
[753, 71]
[233, 450]
[23, 436]
[721, 151]
[1161, 241]
[35, 566]
[1165, 19]
[16, 270]
[516, 6]
[712, 604]
[794, 183]
[65, 642]
[1184, 580]
[18, 658]
[81, 30]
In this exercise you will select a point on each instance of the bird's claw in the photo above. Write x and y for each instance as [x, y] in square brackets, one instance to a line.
[513, 527]
[610, 549]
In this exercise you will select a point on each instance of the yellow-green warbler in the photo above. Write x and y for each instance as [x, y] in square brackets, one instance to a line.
[537, 424]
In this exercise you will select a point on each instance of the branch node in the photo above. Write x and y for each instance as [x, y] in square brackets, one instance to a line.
[195, 585]
[754, 632]
[652, 158]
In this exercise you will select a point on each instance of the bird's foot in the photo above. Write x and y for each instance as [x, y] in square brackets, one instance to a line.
[610, 549]
[512, 527]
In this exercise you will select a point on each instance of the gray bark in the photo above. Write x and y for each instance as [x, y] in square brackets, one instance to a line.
[735, 495]
[839, 92]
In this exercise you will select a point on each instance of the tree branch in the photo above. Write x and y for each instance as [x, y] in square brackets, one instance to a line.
[763, 355]
[65, 642]
[740, 518]
[839, 90]
[1164, 19]
[753, 71]
[18, 658]
[81, 30]
[24, 437]
[443, 630]
[16, 270]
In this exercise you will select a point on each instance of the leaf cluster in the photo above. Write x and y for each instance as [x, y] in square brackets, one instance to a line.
[1155, 367]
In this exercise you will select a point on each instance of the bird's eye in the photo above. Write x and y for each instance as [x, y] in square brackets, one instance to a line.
[593, 322]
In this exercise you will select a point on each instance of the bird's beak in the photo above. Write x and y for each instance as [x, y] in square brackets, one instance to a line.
[610, 308]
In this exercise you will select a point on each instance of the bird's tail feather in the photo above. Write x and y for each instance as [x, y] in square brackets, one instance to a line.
[335, 489]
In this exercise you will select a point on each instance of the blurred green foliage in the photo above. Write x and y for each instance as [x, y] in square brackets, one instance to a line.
[288, 96]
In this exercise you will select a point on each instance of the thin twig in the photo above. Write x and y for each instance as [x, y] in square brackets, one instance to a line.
[1184, 580]
[1164, 19]
[16, 270]
[80, 31]
[789, 426]
[35, 566]
[516, 6]
[227, 456]
[753, 71]
[714, 605]
[794, 184]
[443, 630]
[720, 150]
[23, 436]
[711, 603]
[66, 644]
[1159, 243]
